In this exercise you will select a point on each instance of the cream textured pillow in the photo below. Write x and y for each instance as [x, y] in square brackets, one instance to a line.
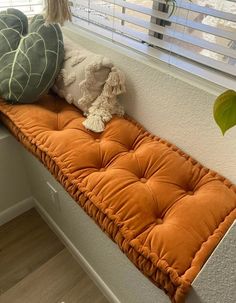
[92, 83]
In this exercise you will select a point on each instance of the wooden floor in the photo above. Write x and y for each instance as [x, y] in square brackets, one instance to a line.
[35, 267]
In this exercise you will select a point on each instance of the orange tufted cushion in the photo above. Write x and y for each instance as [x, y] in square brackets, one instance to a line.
[165, 210]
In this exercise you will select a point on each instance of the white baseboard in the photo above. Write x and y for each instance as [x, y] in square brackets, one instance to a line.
[16, 210]
[77, 255]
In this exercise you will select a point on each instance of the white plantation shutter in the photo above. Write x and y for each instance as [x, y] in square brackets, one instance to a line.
[203, 31]
[29, 7]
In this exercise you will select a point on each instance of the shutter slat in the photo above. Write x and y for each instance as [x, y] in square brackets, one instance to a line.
[204, 10]
[163, 30]
[184, 37]
[168, 47]
[18, 5]
[23, 5]
[174, 19]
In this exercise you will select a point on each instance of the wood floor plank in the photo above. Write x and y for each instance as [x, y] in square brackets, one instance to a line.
[48, 283]
[85, 291]
[19, 226]
[35, 267]
[25, 244]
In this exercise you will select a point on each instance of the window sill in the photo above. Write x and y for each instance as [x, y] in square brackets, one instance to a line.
[195, 74]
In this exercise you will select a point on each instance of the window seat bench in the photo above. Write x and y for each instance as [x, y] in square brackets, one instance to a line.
[166, 212]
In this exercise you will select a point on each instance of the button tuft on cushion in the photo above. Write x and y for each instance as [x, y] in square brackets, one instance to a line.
[190, 193]
[159, 221]
[102, 169]
[98, 140]
[143, 180]
[131, 151]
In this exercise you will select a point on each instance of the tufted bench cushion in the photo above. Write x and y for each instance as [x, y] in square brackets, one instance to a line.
[165, 210]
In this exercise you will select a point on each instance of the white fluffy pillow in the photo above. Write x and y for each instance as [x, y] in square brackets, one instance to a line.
[91, 83]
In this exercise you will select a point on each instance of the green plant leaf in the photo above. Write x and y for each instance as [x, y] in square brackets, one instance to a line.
[225, 110]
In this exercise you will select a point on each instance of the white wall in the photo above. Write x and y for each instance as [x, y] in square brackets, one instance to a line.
[217, 279]
[169, 103]
[13, 180]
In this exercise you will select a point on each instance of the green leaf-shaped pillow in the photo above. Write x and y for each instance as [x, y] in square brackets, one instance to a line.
[30, 59]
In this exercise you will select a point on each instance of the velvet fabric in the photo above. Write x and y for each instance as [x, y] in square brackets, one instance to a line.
[165, 210]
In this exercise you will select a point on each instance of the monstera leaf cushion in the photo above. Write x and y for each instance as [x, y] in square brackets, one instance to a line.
[30, 57]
